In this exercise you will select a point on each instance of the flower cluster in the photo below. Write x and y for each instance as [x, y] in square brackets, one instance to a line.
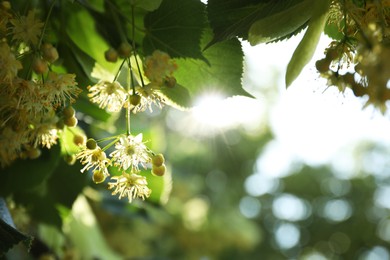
[158, 74]
[130, 153]
[364, 49]
[31, 104]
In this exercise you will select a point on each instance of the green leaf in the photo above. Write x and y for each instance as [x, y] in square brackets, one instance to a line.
[222, 74]
[306, 48]
[177, 97]
[97, 5]
[81, 29]
[160, 185]
[148, 5]
[28, 174]
[232, 18]
[175, 28]
[281, 24]
[83, 230]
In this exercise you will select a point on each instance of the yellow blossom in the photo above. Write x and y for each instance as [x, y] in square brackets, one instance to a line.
[129, 152]
[130, 185]
[26, 29]
[94, 159]
[110, 95]
[158, 67]
[9, 65]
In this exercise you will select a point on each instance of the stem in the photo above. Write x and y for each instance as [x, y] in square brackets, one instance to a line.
[134, 48]
[129, 83]
[118, 24]
[119, 70]
[46, 22]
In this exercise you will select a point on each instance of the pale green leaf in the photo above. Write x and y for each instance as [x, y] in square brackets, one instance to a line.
[177, 97]
[221, 74]
[306, 48]
[81, 29]
[280, 24]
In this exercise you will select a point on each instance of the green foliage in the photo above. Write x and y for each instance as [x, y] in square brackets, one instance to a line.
[175, 28]
[28, 174]
[281, 22]
[222, 73]
[233, 18]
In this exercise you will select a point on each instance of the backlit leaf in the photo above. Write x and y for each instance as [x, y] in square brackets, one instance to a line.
[175, 28]
[305, 50]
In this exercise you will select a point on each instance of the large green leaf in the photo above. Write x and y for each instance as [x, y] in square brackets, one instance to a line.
[306, 48]
[221, 74]
[177, 97]
[278, 19]
[176, 28]
[81, 29]
[232, 18]
[288, 20]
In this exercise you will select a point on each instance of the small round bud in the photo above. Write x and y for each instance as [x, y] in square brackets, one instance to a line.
[91, 144]
[323, 65]
[332, 54]
[159, 170]
[6, 5]
[33, 153]
[39, 66]
[70, 159]
[68, 112]
[135, 99]
[79, 140]
[170, 82]
[49, 52]
[158, 159]
[71, 121]
[111, 55]
[124, 50]
[60, 124]
[98, 177]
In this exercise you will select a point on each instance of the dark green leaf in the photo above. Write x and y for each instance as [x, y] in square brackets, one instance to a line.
[175, 28]
[28, 174]
[222, 74]
[232, 18]
[149, 5]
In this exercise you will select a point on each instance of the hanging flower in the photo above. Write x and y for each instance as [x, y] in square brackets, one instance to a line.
[130, 185]
[60, 88]
[26, 29]
[150, 94]
[9, 65]
[159, 66]
[93, 158]
[110, 95]
[130, 152]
